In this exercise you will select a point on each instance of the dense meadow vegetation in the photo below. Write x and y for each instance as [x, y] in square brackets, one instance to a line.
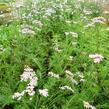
[54, 54]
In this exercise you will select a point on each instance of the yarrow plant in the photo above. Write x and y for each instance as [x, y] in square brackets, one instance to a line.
[27, 30]
[69, 73]
[53, 75]
[28, 75]
[37, 23]
[44, 92]
[70, 77]
[88, 106]
[66, 88]
[100, 20]
[49, 36]
[97, 58]
[73, 34]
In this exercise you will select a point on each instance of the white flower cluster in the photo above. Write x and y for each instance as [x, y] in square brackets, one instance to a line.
[2, 48]
[66, 88]
[44, 92]
[28, 75]
[53, 75]
[81, 78]
[87, 11]
[73, 34]
[100, 20]
[56, 47]
[18, 95]
[89, 25]
[70, 76]
[37, 23]
[18, 4]
[27, 30]
[96, 57]
[49, 11]
[96, 20]
[71, 58]
[88, 106]
[69, 73]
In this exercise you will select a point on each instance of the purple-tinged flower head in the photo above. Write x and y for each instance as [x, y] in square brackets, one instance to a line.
[97, 58]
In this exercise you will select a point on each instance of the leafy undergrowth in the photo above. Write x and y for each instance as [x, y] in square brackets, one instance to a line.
[55, 56]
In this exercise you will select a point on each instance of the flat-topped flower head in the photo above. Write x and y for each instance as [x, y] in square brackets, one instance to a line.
[27, 74]
[44, 92]
[97, 58]
[66, 88]
[27, 31]
[73, 34]
[53, 75]
[69, 73]
[98, 20]
[37, 23]
[88, 106]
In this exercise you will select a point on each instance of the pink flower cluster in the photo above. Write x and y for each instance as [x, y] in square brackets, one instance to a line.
[44, 92]
[96, 57]
[28, 75]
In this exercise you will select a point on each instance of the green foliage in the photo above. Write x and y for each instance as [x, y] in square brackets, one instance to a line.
[51, 50]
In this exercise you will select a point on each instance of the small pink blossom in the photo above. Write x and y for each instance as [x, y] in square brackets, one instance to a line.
[96, 57]
[44, 92]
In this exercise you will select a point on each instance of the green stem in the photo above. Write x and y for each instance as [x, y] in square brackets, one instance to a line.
[98, 38]
[98, 76]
